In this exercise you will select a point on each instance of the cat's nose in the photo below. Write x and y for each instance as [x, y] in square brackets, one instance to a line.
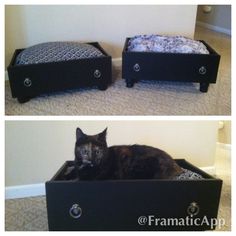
[97, 161]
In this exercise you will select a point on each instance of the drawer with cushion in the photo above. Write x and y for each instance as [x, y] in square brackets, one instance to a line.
[170, 63]
[58, 66]
[132, 204]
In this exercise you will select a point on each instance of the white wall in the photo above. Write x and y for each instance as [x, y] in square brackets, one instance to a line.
[218, 17]
[36, 149]
[224, 134]
[110, 25]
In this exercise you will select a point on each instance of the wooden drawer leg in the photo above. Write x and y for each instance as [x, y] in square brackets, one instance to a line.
[23, 99]
[102, 86]
[204, 87]
[129, 82]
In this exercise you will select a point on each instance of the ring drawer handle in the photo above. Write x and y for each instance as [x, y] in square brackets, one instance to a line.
[27, 82]
[202, 70]
[136, 67]
[193, 209]
[75, 211]
[97, 74]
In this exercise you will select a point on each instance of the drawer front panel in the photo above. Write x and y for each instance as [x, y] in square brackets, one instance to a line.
[189, 68]
[37, 79]
[119, 205]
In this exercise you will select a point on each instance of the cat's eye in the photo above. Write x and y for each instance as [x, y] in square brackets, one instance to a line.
[84, 152]
[98, 152]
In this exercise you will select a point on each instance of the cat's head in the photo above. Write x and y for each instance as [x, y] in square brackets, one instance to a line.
[90, 149]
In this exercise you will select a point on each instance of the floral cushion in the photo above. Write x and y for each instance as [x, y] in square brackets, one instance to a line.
[188, 174]
[56, 51]
[166, 44]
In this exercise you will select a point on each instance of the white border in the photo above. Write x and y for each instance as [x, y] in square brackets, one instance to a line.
[117, 2]
[35, 118]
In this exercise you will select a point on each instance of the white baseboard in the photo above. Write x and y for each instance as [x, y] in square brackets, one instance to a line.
[6, 75]
[21, 191]
[211, 170]
[117, 62]
[214, 27]
[225, 146]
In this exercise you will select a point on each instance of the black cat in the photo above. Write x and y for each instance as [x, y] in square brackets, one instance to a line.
[95, 161]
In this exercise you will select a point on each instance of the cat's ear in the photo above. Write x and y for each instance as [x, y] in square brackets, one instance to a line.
[79, 134]
[102, 136]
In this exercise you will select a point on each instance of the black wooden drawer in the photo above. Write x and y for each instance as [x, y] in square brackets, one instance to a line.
[118, 205]
[201, 68]
[28, 81]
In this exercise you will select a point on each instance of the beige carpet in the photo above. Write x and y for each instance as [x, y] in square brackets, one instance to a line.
[26, 214]
[145, 98]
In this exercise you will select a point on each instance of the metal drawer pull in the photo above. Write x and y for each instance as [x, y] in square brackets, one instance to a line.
[193, 209]
[27, 82]
[97, 74]
[136, 67]
[75, 211]
[202, 70]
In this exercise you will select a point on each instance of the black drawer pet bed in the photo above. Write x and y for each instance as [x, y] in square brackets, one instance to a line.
[57, 66]
[165, 58]
[133, 204]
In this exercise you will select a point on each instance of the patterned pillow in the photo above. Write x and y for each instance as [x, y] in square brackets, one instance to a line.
[166, 44]
[56, 51]
[188, 174]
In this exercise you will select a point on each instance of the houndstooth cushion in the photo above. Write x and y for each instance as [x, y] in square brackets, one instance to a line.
[56, 51]
[188, 174]
[167, 44]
